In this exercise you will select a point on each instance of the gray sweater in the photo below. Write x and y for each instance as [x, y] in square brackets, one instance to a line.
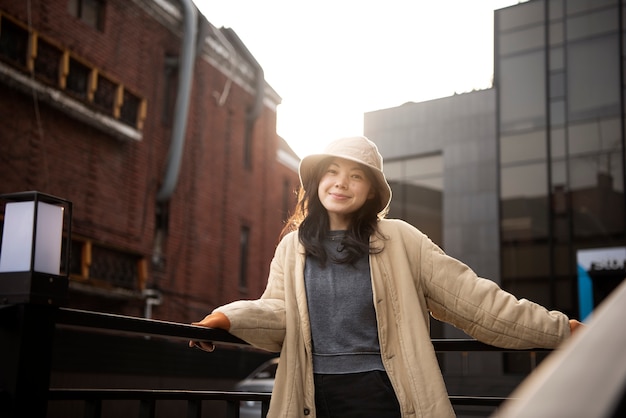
[341, 313]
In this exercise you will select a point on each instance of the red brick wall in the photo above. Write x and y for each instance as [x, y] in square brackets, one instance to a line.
[113, 183]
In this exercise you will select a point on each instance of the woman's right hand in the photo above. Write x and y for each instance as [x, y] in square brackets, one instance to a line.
[213, 320]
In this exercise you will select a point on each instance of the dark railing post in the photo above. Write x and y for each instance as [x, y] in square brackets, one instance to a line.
[26, 332]
[93, 408]
[147, 408]
[232, 409]
[194, 409]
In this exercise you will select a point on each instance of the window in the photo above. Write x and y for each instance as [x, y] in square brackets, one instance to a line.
[524, 201]
[522, 91]
[47, 62]
[55, 65]
[89, 11]
[417, 186]
[13, 42]
[591, 87]
[130, 109]
[170, 73]
[104, 96]
[77, 79]
[106, 267]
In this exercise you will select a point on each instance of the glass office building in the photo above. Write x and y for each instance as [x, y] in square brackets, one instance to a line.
[521, 179]
[559, 78]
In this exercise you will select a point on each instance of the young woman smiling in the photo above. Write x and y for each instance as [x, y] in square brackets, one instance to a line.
[349, 296]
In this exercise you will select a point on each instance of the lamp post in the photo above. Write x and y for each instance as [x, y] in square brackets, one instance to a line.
[33, 285]
[32, 269]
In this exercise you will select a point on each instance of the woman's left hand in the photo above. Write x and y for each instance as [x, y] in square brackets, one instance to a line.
[574, 325]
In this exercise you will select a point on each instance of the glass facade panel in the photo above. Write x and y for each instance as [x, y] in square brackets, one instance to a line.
[591, 87]
[524, 181]
[597, 205]
[521, 15]
[558, 172]
[529, 146]
[522, 40]
[555, 9]
[522, 91]
[597, 170]
[557, 59]
[578, 6]
[523, 220]
[583, 172]
[557, 113]
[393, 169]
[557, 143]
[594, 136]
[555, 35]
[617, 173]
[557, 85]
[573, 198]
[526, 261]
[592, 24]
[424, 167]
[417, 186]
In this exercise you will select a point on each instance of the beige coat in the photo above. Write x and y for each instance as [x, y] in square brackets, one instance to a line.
[411, 278]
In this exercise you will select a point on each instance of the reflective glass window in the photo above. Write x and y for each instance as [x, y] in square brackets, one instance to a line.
[524, 202]
[592, 24]
[558, 172]
[521, 15]
[557, 85]
[578, 6]
[524, 181]
[557, 143]
[555, 9]
[596, 170]
[557, 59]
[594, 136]
[417, 186]
[524, 219]
[557, 113]
[591, 87]
[522, 40]
[522, 91]
[597, 199]
[555, 35]
[529, 146]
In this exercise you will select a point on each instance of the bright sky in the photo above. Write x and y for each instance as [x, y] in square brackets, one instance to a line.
[333, 60]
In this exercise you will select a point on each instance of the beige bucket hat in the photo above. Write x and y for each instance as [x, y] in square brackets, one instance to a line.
[358, 149]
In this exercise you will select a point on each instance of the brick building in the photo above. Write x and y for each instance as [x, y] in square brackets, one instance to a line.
[174, 189]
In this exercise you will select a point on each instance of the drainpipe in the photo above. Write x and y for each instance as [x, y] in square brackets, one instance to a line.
[255, 110]
[185, 77]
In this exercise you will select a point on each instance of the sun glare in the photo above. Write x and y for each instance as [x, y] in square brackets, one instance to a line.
[333, 62]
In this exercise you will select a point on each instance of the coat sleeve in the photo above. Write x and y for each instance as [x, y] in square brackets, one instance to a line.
[262, 322]
[478, 306]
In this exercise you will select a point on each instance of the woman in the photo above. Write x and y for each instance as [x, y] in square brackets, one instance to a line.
[349, 296]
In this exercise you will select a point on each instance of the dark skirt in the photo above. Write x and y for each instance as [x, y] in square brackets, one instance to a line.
[358, 395]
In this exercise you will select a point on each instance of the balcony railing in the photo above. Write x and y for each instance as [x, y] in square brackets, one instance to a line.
[29, 330]
[585, 377]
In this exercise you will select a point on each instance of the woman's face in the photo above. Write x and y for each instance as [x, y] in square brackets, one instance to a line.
[343, 189]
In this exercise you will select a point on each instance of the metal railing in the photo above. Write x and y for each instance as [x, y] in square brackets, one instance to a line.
[29, 331]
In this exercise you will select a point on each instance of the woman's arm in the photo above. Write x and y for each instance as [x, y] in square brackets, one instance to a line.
[260, 322]
[478, 306]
